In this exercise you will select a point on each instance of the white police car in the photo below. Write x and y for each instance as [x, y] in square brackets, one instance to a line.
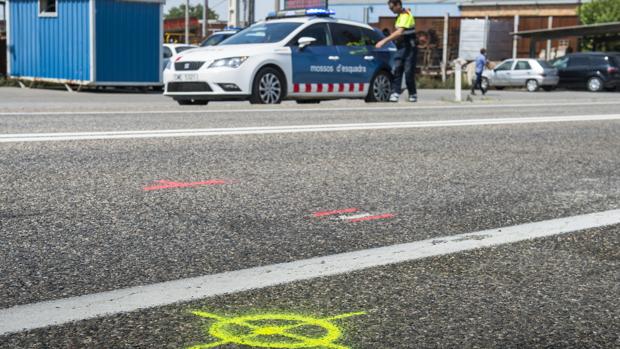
[305, 55]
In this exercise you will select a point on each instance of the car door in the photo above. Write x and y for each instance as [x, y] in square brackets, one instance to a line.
[501, 73]
[576, 73]
[521, 72]
[314, 66]
[356, 59]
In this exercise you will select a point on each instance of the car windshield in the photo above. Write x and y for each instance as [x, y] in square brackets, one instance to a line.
[545, 64]
[215, 39]
[262, 33]
[180, 49]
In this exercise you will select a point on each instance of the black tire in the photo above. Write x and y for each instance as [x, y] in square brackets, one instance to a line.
[499, 88]
[380, 88]
[531, 85]
[484, 84]
[594, 84]
[308, 101]
[269, 87]
[191, 101]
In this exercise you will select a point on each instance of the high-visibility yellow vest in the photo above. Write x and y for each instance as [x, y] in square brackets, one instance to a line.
[406, 21]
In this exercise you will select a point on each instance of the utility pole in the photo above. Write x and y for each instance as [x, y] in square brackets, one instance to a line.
[251, 11]
[205, 19]
[233, 13]
[187, 22]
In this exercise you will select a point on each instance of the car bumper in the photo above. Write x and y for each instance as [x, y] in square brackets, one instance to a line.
[549, 81]
[211, 84]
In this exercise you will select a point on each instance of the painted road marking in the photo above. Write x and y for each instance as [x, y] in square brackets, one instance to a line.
[74, 136]
[274, 330]
[61, 311]
[164, 184]
[371, 218]
[295, 110]
[334, 212]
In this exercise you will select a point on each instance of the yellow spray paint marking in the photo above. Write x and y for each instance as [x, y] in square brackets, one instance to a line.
[274, 331]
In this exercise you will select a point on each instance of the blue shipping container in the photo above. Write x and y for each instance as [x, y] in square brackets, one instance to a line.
[90, 42]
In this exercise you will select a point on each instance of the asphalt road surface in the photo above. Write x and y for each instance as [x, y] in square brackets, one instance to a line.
[129, 222]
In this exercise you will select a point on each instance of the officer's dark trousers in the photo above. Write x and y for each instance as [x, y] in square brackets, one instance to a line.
[478, 84]
[405, 63]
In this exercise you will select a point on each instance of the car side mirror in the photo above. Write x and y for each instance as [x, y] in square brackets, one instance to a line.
[305, 41]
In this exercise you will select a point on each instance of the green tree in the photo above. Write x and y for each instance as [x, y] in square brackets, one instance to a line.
[194, 11]
[600, 11]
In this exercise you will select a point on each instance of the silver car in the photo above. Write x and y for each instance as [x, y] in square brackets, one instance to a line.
[530, 73]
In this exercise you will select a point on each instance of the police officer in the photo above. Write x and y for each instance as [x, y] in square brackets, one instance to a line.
[406, 56]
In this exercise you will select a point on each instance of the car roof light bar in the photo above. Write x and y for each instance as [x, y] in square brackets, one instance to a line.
[317, 12]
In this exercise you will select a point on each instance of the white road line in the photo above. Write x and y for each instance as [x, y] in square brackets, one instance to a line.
[56, 312]
[379, 107]
[73, 136]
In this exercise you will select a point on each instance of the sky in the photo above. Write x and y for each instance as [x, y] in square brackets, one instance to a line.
[263, 7]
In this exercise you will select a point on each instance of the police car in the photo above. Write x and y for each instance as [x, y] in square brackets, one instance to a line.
[306, 56]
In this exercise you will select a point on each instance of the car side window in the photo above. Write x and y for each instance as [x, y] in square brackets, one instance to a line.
[318, 31]
[505, 66]
[578, 62]
[346, 35]
[370, 37]
[560, 63]
[523, 65]
[167, 52]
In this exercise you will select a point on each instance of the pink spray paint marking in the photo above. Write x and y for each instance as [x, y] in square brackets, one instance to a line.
[334, 212]
[371, 218]
[164, 184]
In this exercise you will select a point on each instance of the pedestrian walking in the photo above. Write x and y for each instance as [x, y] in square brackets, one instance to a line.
[406, 56]
[481, 63]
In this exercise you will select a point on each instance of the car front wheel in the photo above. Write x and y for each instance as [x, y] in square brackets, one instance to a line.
[268, 87]
[380, 88]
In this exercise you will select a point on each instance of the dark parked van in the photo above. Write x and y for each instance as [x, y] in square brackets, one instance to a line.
[593, 70]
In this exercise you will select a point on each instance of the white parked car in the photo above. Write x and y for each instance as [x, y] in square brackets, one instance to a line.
[529, 73]
[304, 56]
[171, 50]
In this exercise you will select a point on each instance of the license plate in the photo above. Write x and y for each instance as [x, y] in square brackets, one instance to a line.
[185, 77]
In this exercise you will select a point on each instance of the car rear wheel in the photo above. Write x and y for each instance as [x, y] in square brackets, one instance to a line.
[595, 84]
[268, 87]
[380, 88]
[531, 85]
[191, 101]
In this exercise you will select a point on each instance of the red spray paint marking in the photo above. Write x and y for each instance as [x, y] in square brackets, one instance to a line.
[334, 212]
[164, 184]
[371, 218]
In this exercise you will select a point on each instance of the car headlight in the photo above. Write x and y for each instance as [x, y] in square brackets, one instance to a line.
[232, 62]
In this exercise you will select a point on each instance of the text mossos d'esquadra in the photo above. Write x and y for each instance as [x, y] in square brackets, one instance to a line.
[350, 69]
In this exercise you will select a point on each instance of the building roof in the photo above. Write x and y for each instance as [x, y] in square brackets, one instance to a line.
[520, 2]
[578, 30]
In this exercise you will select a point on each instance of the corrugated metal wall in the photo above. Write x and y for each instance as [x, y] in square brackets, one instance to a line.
[50, 47]
[128, 41]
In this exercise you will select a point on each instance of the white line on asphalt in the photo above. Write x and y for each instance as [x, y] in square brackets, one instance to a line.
[56, 312]
[74, 136]
[320, 109]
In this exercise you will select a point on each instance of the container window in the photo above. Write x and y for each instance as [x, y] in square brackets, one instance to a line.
[47, 7]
